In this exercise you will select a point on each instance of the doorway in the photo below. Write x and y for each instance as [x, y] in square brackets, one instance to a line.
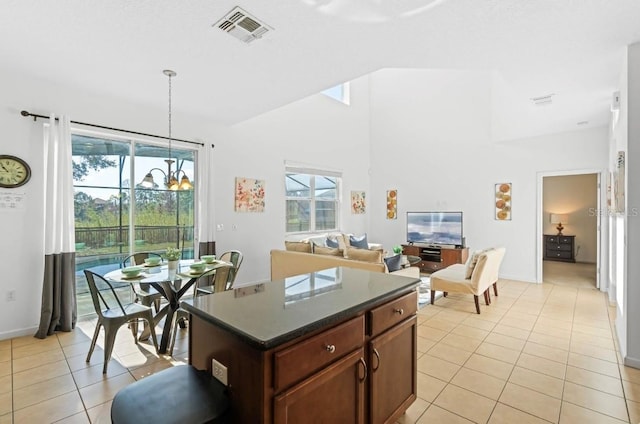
[569, 225]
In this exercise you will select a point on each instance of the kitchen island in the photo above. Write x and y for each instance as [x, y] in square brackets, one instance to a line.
[338, 345]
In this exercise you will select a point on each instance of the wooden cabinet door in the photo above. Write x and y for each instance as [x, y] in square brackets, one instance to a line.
[450, 256]
[393, 372]
[335, 394]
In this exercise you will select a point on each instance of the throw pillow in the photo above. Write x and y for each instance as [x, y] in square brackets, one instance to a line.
[330, 251]
[473, 261]
[297, 246]
[359, 242]
[365, 255]
[394, 262]
[332, 243]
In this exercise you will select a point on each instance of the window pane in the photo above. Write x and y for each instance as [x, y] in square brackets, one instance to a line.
[298, 215]
[325, 215]
[325, 188]
[101, 181]
[162, 217]
[102, 170]
[298, 185]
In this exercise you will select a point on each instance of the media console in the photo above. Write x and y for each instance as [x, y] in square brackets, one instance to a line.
[434, 258]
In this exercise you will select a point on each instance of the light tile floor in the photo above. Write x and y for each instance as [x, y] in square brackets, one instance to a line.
[537, 354]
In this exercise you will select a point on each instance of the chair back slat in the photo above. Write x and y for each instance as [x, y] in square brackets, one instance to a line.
[235, 257]
[102, 293]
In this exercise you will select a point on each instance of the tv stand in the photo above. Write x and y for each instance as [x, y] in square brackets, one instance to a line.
[433, 258]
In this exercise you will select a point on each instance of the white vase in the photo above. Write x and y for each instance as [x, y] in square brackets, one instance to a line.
[172, 267]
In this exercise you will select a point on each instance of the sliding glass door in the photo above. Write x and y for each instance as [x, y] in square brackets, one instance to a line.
[116, 215]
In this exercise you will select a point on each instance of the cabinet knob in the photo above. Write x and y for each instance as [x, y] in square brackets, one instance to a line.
[399, 311]
[331, 348]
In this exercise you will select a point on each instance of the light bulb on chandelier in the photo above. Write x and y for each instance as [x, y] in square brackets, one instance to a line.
[170, 177]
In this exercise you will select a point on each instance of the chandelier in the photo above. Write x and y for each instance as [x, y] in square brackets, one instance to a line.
[170, 177]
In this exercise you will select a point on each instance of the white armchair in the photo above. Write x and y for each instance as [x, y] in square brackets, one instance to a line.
[460, 279]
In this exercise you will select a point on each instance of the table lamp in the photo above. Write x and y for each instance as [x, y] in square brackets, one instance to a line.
[559, 218]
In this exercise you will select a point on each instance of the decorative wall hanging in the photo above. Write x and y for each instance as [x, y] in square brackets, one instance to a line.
[358, 203]
[392, 204]
[503, 201]
[619, 183]
[249, 195]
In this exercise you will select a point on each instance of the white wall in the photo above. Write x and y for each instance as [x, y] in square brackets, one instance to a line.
[576, 196]
[431, 139]
[629, 321]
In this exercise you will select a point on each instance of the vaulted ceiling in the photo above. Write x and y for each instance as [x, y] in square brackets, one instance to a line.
[571, 49]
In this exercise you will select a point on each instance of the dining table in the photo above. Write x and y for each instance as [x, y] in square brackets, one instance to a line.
[171, 287]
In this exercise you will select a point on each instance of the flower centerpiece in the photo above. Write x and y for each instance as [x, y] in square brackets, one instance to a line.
[172, 255]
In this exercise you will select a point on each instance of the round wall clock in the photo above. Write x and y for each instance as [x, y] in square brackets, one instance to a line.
[14, 172]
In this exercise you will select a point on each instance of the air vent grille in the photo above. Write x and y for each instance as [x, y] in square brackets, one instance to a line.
[543, 100]
[242, 26]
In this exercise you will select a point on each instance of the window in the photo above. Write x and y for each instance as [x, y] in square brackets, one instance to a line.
[339, 92]
[114, 215]
[312, 201]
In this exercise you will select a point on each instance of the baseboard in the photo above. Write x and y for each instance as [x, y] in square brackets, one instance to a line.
[18, 333]
[632, 362]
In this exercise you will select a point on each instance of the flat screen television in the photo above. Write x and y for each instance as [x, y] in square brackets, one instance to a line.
[435, 228]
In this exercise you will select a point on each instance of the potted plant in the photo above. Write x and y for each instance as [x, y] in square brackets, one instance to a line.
[397, 250]
[172, 255]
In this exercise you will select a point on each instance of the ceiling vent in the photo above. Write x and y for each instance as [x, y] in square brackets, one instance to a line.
[543, 100]
[243, 26]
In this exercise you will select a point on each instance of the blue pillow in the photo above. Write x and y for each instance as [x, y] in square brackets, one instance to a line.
[359, 242]
[394, 262]
[331, 243]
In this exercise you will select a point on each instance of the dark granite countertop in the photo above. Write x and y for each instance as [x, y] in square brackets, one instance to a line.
[268, 314]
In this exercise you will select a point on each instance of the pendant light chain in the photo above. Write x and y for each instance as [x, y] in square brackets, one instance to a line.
[171, 177]
[170, 74]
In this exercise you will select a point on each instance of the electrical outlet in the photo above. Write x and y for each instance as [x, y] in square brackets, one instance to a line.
[234, 227]
[219, 371]
[220, 227]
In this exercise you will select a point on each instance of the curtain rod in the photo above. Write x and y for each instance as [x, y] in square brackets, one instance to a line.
[36, 116]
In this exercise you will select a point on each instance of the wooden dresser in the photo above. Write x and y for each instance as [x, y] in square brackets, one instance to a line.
[559, 248]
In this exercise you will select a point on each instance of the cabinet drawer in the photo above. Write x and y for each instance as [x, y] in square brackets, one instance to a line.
[559, 247]
[298, 362]
[391, 313]
[561, 255]
[564, 240]
[430, 266]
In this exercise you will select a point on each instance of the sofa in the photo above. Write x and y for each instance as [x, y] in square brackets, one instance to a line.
[475, 277]
[286, 263]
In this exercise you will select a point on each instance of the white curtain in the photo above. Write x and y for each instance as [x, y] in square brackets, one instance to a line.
[59, 310]
[205, 207]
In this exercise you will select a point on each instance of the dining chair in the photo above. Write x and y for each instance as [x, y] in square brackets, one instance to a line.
[146, 295]
[234, 257]
[212, 281]
[113, 314]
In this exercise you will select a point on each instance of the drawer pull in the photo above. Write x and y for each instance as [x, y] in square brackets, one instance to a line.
[364, 366]
[375, 352]
[331, 348]
[399, 311]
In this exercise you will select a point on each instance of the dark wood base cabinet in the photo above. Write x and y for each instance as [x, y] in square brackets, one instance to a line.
[360, 370]
[436, 258]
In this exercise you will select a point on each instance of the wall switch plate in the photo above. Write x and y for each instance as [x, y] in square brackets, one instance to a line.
[220, 227]
[219, 371]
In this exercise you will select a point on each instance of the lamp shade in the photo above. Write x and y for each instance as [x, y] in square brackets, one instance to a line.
[559, 218]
